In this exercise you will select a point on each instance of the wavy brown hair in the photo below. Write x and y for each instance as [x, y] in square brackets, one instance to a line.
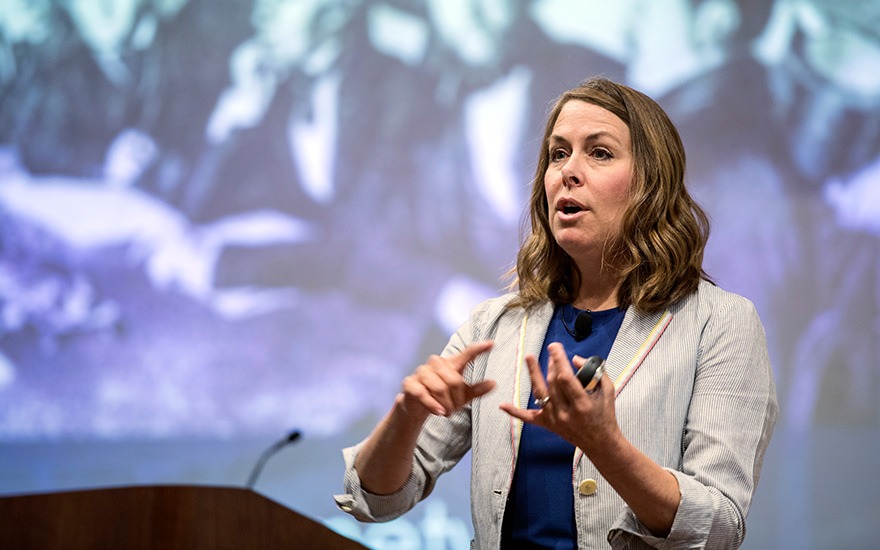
[660, 255]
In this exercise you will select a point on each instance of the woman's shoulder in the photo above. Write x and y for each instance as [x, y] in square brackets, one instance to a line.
[493, 311]
[714, 295]
[493, 308]
[711, 301]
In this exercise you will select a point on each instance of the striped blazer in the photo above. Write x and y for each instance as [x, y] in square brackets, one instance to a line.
[695, 393]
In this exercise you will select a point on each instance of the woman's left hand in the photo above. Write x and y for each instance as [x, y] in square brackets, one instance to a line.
[586, 420]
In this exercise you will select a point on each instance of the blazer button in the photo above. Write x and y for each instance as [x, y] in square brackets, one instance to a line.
[587, 487]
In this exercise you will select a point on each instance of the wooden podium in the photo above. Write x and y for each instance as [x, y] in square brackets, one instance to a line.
[159, 517]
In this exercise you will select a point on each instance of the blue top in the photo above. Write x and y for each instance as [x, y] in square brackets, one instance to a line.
[540, 508]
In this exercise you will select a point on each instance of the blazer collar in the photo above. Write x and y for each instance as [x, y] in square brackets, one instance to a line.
[637, 336]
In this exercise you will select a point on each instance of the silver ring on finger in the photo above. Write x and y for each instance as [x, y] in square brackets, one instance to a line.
[540, 402]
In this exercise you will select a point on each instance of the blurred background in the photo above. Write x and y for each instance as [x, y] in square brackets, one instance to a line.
[223, 220]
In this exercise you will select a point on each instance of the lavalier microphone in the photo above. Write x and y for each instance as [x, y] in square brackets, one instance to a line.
[583, 325]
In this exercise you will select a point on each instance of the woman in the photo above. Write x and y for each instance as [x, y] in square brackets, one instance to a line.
[668, 448]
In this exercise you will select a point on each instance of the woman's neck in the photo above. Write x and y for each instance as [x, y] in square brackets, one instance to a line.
[599, 289]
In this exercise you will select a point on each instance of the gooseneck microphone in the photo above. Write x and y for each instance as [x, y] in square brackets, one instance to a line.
[267, 454]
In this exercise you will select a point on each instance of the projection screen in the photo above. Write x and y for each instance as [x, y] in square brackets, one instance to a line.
[223, 220]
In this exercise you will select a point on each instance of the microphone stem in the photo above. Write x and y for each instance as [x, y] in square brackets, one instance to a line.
[267, 454]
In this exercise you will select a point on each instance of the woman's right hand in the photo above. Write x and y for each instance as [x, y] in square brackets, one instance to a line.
[438, 385]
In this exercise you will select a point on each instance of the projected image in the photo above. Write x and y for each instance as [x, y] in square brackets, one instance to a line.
[219, 217]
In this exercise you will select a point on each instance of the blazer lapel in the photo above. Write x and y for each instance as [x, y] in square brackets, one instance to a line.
[531, 342]
[638, 334]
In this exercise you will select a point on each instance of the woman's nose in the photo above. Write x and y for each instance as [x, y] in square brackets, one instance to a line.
[572, 175]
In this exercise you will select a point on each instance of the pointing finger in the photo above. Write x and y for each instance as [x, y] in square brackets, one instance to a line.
[539, 385]
[469, 353]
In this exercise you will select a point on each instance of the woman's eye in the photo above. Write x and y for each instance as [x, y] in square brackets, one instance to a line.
[601, 154]
[557, 154]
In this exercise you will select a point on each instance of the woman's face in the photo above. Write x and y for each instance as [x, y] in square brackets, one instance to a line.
[588, 179]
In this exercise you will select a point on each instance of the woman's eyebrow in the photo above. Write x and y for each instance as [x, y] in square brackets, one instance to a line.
[555, 138]
[595, 136]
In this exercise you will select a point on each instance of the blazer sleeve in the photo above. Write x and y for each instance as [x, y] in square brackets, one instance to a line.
[730, 420]
[441, 444]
